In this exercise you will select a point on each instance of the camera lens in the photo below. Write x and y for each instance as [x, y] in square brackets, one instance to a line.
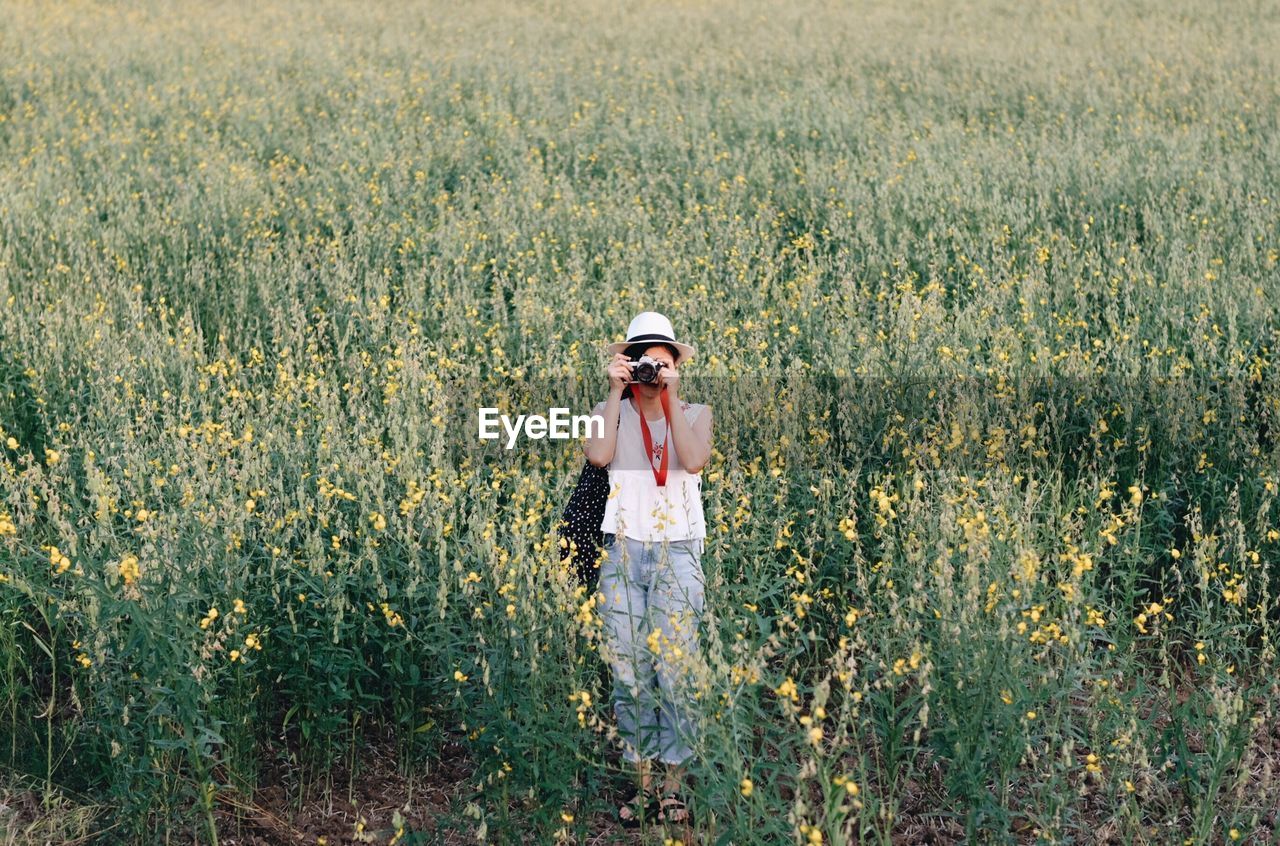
[646, 373]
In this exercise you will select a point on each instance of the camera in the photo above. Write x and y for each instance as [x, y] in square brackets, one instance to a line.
[646, 370]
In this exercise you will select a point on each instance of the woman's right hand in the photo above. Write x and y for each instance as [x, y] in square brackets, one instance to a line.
[619, 373]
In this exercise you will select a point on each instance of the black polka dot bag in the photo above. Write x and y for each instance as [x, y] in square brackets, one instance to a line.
[579, 527]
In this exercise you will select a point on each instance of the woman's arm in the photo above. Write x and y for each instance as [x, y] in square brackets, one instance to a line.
[599, 451]
[692, 442]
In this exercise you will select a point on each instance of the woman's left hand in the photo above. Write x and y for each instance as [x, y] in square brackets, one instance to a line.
[670, 380]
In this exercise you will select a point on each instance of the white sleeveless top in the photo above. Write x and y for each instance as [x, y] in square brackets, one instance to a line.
[637, 508]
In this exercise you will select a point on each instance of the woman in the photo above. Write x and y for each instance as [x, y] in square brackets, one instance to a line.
[655, 446]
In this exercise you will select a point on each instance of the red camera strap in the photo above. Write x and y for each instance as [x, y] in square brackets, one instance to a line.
[659, 474]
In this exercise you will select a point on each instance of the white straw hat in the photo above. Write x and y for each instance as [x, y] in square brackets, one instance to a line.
[649, 326]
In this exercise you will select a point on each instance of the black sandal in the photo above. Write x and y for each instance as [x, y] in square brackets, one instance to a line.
[648, 811]
[674, 801]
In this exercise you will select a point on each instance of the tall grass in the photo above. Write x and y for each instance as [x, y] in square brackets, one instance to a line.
[984, 297]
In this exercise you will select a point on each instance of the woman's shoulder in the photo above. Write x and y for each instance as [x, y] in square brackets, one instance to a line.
[693, 409]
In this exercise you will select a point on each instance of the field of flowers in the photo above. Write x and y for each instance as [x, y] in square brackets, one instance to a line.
[985, 296]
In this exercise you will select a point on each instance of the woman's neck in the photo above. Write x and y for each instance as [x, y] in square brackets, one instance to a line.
[650, 406]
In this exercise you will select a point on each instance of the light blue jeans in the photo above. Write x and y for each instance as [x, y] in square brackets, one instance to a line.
[652, 596]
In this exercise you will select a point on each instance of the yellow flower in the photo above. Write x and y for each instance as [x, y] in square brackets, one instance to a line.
[746, 787]
[459, 676]
[249, 505]
[235, 655]
[129, 570]
[251, 641]
[59, 562]
[12, 443]
[238, 606]
[52, 456]
[585, 615]
[379, 522]
[884, 504]
[84, 660]
[1031, 715]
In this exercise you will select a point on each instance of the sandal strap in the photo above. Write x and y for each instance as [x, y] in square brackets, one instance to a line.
[647, 809]
[674, 801]
[634, 792]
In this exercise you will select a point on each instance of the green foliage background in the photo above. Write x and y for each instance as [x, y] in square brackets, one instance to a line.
[985, 302]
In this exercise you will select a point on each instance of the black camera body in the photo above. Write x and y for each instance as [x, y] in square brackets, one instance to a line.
[646, 371]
